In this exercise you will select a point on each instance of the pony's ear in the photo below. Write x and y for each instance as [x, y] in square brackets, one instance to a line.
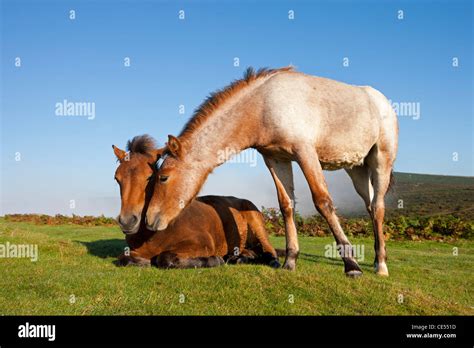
[174, 146]
[119, 153]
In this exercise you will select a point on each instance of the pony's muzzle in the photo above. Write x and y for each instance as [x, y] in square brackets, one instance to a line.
[129, 224]
[155, 223]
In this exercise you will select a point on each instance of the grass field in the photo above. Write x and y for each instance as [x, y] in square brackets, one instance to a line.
[75, 275]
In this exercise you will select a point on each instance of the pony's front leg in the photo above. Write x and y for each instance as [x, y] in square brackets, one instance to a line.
[282, 175]
[169, 259]
[313, 172]
[133, 260]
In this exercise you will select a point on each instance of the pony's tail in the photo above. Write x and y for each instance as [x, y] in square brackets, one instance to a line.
[392, 183]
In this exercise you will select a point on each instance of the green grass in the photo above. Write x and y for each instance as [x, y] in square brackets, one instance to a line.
[77, 260]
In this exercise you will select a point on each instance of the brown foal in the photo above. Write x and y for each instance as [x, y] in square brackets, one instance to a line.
[210, 231]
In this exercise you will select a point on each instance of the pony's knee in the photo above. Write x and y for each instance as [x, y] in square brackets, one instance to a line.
[324, 205]
[286, 208]
[378, 210]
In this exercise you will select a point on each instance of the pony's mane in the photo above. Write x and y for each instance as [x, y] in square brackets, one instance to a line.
[212, 102]
[143, 144]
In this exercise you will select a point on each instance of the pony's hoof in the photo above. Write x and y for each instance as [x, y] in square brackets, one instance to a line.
[354, 274]
[230, 259]
[381, 270]
[289, 266]
[274, 263]
[242, 260]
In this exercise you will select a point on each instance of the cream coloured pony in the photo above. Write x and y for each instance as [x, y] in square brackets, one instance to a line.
[288, 116]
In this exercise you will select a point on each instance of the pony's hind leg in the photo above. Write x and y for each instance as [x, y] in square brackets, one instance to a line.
[381, 173]
[245, 256]
[361, 178]
[282, 174]
[255, 256]
[313, 172]
[266, 253]
[169, 259]
[256, 223]
[266, 258]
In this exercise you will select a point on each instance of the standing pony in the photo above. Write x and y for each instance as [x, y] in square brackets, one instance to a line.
[288, 116]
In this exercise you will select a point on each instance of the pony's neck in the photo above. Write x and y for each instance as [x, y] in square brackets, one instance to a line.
[208, 148]
[226, 132]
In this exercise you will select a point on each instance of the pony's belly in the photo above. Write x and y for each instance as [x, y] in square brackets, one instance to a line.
[347, 159]
[280, 153]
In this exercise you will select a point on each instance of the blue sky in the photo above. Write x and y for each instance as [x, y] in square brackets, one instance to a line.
[178, 62]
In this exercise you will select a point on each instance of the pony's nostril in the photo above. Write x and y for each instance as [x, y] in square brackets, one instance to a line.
[128, 222]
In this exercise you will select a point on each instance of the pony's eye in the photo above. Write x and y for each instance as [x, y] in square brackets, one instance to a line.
[163, 178]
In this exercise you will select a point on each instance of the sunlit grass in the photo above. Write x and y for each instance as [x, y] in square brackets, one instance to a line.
[75, 275]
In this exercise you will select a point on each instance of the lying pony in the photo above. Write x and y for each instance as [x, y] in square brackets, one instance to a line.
[208, 232]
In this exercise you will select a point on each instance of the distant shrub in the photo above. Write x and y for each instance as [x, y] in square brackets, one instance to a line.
[445, 227]
[41, 219]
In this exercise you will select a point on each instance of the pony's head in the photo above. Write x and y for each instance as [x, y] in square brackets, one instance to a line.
[178, 180]
[135, 175]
